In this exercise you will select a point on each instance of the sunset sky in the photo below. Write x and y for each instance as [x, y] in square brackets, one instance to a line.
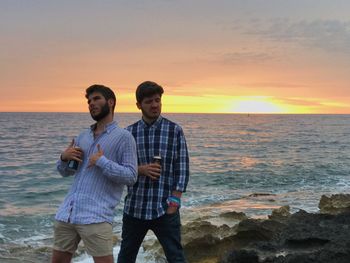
[256, 56]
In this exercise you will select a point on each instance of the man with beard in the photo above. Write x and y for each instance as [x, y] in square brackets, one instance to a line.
[107, 160]
[153, 202]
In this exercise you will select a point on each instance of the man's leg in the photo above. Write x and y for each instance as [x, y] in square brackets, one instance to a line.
[66, 241]
[168, 231]
[61, 257]
[105, 259]
[133, 233]
[97, 240]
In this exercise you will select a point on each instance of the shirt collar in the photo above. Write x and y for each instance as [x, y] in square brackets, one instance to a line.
[108, 128]
[154, 124]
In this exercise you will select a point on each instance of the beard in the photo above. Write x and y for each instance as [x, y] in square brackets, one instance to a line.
[104, 112]
[150, 116]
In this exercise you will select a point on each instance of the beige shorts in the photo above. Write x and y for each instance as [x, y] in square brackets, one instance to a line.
[97, 238]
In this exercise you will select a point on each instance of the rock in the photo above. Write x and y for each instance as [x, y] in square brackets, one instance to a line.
[335, 204]
[319, 257]
[241, 256]
[260, 194]
[301, 238]
[25, 254]
[196, 231]
[234, 215]
[255, 230]
[203, 240]
[280, 213]
[115, 240]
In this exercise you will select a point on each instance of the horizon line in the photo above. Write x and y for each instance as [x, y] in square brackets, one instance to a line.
[217, 113]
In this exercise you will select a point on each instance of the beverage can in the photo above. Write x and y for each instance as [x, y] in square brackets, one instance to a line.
[73, 165]
[157, 159]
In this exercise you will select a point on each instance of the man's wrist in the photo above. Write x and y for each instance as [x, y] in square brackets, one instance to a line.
[63, 160]
[140, 170]
[173, 201]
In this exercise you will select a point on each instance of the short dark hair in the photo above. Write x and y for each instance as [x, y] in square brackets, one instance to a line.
[106, 92]
[147, 89]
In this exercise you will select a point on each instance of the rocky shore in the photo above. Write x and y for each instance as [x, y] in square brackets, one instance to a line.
[282, 238]
[232, 237]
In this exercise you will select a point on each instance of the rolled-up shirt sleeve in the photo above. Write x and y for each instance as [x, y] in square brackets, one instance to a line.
[62, 168]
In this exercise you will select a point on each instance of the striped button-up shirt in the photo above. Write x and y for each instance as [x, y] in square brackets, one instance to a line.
[96, 190]
[146, 199]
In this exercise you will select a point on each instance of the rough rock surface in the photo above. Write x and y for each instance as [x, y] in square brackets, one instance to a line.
[335, 204]
[298, 238]
[282, 238]
[303, 237]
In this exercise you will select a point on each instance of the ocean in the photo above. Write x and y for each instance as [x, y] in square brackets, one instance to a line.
[247, 163]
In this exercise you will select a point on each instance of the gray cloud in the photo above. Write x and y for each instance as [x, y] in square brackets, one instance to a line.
[328, 35]
[244, 57]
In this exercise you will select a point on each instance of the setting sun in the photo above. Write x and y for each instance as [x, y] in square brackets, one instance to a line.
[233, 104]
[256, 105]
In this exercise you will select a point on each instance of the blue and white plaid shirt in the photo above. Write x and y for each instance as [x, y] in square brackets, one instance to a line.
[97, 190]
[146, 199]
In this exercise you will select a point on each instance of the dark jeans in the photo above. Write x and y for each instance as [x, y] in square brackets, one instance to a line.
[167, 229]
